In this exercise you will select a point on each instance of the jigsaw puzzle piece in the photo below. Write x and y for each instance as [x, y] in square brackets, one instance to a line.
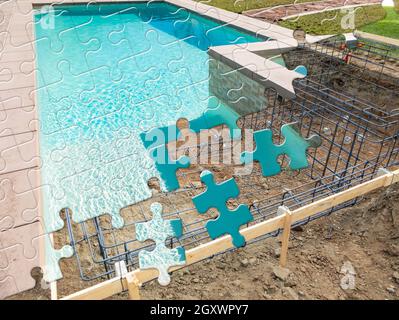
[101, 159]
[8, 287]
[16, 16]
[18, 151]
[216, 194]
[19, 202]
[301, 70]
[115, 180]
[204, 33]
[30, 34]
[12, 77]
[158, 230]
[212, 117]
[20, 97]
[61, 35]
[167, 167]
[294, 146]
[162, 258]
[51, 269]
[16, 276]
[98, 196]
[20, 267]
[229, 222]
[26, 247]
[46, 30]
[17, 121]
[62, 88]
[25, 235]
[60, 153]
[65, 65]
[121, 51]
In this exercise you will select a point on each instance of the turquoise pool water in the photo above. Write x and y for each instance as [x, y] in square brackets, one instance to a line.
[107, 73]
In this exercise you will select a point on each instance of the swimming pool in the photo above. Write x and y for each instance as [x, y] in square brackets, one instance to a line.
[108, 73]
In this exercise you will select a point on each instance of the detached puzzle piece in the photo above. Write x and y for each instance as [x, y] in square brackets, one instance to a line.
[167, 167]
[294, 146]
[229, 222]
[215, 196]
[161, 258]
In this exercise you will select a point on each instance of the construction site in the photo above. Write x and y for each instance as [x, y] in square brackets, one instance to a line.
[350, 99]
[328, 231]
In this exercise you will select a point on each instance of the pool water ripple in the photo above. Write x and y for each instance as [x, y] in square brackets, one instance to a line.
[106, 74]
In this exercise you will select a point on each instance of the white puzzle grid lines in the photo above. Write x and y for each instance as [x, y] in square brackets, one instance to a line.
[44, 173]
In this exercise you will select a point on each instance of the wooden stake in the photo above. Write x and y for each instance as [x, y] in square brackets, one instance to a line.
[53, 284]
[133, 286]
[53, 288]
[286, 234]
[130, 279]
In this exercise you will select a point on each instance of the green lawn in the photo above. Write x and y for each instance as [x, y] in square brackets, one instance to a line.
[388, 27]
[243, 5]
[329, 22]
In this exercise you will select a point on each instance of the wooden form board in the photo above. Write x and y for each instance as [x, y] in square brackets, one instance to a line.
[117, 284]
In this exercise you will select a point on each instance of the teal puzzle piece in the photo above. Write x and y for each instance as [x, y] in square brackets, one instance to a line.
[228, 221]
[216, 194]
[301, 70]
[167, 167]
[294, 146]
[161, 258]
[212, 117]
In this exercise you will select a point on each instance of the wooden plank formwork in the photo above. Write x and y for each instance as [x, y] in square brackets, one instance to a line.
[132, 280]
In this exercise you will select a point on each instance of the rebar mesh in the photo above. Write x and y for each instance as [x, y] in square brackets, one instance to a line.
[349, 98]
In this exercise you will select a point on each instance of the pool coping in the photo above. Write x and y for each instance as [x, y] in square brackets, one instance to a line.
[236, 20]
[246, 58]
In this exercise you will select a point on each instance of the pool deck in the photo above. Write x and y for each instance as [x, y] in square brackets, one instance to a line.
[20, 187]
[19, 150]
[237, 20]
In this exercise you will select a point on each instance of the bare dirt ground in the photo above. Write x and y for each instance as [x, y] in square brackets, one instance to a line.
[365, 236]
